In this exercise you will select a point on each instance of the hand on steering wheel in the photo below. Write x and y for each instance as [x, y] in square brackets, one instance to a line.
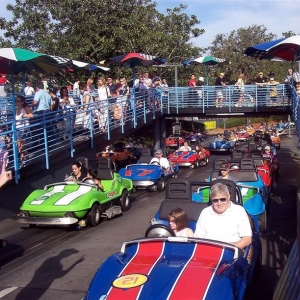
[155, 163]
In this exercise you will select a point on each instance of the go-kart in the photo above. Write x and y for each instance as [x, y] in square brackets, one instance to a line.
[120, 155]
[250, 131]
[174, 141]
[221, 146]
[148, 176]
[66, 203]
[254, 192]
[243, 135]
[162, 266]
[276, 141]
[192, 159]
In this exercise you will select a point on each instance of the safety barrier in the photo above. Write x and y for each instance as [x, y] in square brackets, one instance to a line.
[29, 140]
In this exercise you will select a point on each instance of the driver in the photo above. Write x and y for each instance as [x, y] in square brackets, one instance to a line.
[223, 220]
[219, 138]
[185, 147]
[161, 160]
[224, 172]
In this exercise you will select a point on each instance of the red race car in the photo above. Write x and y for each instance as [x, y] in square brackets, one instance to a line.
[192, 159]
[243, 135]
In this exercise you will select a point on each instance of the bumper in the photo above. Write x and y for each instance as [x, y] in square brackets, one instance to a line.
[219, 149]
[140, 183]
[46, 221]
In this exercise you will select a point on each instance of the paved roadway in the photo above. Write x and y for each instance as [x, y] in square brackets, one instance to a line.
[51, 263]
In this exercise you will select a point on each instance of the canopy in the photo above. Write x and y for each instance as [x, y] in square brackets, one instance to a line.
[287, 49]
[204, 60]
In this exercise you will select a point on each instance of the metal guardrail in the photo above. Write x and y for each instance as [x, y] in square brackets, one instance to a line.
[62, 129]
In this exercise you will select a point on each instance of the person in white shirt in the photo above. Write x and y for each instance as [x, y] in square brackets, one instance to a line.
[223, 220]
[28, 90]
[185, 147]
[161, 160]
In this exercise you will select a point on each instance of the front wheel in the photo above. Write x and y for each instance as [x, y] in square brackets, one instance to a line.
[263, 222]
[196, 164]
[93, 216]
[161, 184]
[125, 201]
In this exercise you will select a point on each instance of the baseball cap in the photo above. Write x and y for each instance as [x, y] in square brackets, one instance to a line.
[222, 74]
[267, 148]
[158, 151]
[261, 73]
[201, 78]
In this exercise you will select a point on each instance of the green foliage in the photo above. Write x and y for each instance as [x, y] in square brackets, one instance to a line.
[92, 30]
[231, 46]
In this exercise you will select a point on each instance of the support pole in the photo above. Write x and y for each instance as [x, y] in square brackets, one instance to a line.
[156, 134]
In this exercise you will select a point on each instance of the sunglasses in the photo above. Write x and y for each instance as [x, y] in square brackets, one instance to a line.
[158, 153]
[219, 199]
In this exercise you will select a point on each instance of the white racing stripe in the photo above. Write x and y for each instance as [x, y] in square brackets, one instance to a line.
[66, 200]
[42, 198]
[7, 291]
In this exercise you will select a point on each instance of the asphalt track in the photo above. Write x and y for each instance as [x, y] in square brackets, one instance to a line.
[59, 263]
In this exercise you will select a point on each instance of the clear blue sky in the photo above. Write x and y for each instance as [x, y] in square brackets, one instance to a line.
[223, 16]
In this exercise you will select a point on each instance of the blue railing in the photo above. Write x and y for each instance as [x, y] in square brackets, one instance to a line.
[38, 138]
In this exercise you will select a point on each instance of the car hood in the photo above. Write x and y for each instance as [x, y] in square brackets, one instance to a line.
[59, 197]
[141, 172]
[163, 270]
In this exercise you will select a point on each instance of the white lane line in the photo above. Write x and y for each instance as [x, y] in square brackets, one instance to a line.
[7, 291]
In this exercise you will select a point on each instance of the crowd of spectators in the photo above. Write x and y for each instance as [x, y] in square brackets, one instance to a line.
[84, 108]
[267, 93]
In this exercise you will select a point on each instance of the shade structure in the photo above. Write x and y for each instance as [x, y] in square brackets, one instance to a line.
[287, 49]
[134, 59]
[204, 60]
[16, 60]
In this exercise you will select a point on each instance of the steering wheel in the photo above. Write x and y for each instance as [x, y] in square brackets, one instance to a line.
[155, 163]
[159, 230]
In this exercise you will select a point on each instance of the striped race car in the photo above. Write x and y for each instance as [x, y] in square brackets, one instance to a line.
[163, 266]
[67, 203]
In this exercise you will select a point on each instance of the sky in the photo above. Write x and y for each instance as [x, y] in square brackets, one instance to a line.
[223, 16]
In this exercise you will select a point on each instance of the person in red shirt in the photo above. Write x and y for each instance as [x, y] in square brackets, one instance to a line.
[193, 92]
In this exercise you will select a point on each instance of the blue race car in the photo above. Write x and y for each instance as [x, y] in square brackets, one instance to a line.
[254, 192]
[148, 176]
[162, 266]
[221, 146]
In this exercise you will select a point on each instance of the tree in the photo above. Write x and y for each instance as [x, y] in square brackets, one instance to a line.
[92, 30]
[231, 46]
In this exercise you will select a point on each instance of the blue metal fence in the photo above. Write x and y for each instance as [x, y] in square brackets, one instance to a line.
[24, 143]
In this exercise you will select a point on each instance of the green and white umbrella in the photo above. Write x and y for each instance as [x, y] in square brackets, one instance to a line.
[204, 60]
[16, 60]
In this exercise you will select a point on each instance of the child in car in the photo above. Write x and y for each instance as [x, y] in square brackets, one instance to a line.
[179, 223]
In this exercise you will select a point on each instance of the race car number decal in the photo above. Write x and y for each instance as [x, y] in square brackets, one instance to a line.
[42, 198]
[67, 199]
[129, 281]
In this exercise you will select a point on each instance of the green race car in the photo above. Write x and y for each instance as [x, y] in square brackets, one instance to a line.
[67, 203]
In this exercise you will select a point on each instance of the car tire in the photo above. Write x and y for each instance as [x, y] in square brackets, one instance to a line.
[161, 184]
[124, 201]
[196, 165]
[94, 216]
[263, 222]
